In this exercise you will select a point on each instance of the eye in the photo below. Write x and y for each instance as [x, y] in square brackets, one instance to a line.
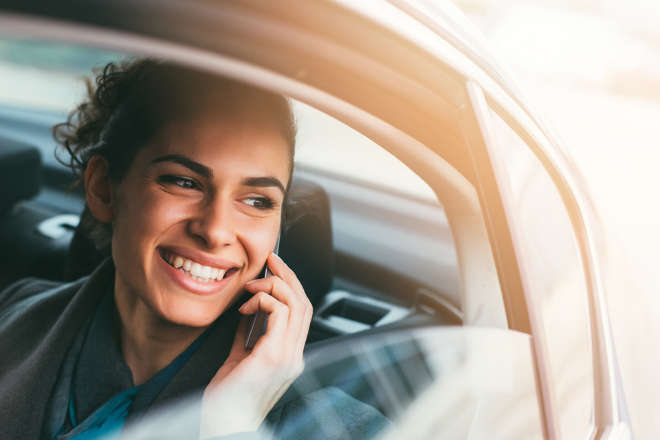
[262, 203]
[182, 182]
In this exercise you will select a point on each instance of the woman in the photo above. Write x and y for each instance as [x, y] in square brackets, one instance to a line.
[185, 178]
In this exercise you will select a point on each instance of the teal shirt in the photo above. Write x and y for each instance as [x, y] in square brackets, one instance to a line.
[101, 390]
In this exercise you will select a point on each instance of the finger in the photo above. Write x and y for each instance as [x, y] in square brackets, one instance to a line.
[261, 301]
[286, 287]
[276, 287]
[272, 342]
[278, 313]
[283, 292]
[283, 334]
[291, 294]
[279, 268]
[283, 344]
[270, 304]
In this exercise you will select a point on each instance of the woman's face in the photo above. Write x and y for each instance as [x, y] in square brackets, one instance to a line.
[196, 216]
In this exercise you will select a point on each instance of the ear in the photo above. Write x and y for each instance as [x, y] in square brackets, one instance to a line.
[98, 189]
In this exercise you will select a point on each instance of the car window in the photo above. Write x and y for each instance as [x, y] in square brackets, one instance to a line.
[394, 270]
[46, 75]
[327, 144]
[452, 382]
[553, 274]
[382, 212]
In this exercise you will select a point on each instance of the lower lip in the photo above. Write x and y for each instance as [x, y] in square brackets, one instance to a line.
[196, 287]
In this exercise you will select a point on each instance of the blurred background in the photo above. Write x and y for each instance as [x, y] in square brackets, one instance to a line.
[591, 68]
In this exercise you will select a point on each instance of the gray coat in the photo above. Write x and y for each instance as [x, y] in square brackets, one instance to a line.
[40, 319]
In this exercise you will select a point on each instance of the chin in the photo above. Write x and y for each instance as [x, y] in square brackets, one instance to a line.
[192, 313]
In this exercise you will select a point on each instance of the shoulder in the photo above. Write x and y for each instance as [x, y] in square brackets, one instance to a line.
[36, 290]
[39, 318]
[23, 289]
[35, 301]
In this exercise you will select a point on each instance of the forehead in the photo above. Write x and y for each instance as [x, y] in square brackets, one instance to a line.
[229, 143]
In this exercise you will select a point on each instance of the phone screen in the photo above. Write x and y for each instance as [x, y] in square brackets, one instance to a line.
[257, 324]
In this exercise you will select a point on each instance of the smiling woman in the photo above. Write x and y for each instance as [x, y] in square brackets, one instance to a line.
[185, 177]
[207, 210]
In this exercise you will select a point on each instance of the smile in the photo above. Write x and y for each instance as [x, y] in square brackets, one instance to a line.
[195, 270]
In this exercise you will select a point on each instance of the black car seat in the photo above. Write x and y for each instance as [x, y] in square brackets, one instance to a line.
[20, 172]
[20, 176]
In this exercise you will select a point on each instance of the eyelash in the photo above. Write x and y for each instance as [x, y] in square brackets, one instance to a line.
[261, 203]
[182, 182]
[264, 202]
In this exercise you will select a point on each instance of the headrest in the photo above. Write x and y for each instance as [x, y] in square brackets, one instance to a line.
[20, 172]
[305, 243]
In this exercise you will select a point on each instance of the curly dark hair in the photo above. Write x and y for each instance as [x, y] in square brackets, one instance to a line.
[131, 101]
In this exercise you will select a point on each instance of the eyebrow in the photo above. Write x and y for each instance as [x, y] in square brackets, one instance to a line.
[202, 170]
[264, 182]
[197, 167]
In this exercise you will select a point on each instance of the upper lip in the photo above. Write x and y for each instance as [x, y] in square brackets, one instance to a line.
[200, 257]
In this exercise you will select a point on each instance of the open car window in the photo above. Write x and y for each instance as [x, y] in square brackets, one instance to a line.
[391, 329]
[46, 75]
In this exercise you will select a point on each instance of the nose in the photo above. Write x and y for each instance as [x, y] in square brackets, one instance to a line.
[213, 226]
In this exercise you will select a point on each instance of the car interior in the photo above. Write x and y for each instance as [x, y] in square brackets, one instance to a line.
[386, 269]
[350, 294]
[372, 260]
[40, 237]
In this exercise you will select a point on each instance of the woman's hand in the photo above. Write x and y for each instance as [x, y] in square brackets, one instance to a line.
[248, 384]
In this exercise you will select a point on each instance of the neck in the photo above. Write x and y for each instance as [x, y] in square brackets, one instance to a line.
[149, 342]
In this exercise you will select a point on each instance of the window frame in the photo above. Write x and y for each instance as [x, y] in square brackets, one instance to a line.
[609, 414]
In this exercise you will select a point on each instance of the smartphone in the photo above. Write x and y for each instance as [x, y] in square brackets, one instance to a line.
[258, 322]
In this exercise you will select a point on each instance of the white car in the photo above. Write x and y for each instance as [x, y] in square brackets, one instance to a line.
[458, 289]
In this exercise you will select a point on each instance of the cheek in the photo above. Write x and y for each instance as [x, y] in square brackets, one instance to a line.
[259, 241]
[143, 216]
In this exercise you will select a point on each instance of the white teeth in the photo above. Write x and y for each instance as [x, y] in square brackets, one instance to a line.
[195, 270]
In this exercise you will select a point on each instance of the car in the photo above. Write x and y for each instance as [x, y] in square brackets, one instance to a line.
[456, 263]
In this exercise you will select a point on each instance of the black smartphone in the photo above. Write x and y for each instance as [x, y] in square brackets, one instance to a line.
[257, 324]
